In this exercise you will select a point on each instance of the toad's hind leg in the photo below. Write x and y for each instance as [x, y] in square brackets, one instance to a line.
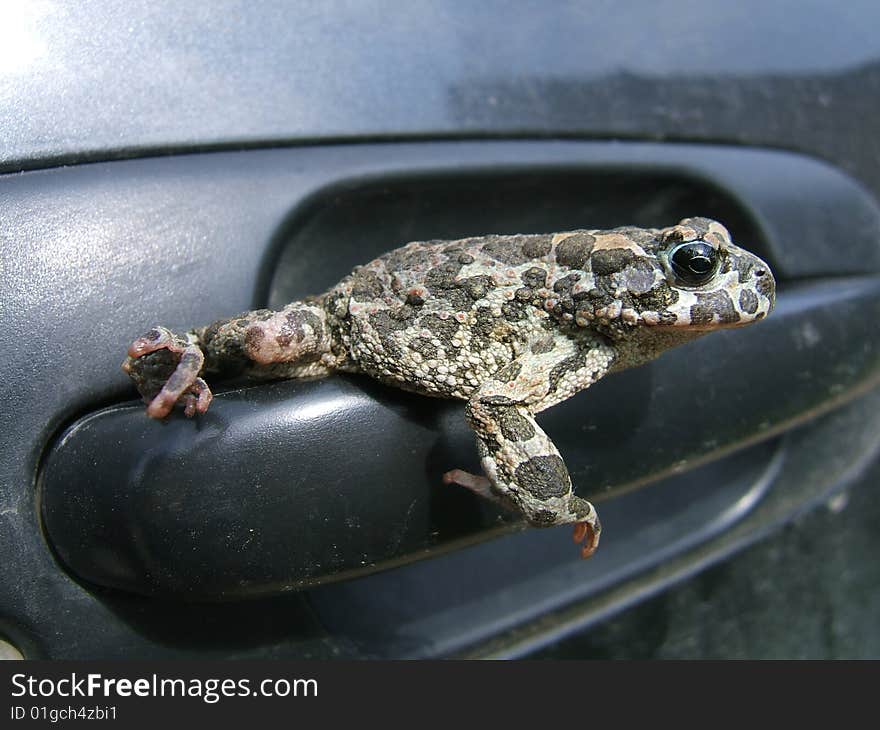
[292, 342]
[524, 470]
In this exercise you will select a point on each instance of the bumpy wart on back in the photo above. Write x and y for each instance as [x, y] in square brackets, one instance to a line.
[510, 324]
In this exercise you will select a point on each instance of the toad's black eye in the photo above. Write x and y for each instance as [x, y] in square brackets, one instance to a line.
[693, 263]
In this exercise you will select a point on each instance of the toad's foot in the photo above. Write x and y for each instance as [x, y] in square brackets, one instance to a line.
[477, 484]
[587, 532]
[165, 368]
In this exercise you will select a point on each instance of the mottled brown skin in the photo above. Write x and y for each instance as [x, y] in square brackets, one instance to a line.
[510, 324]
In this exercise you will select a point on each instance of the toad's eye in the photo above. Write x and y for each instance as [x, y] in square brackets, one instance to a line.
[693, 263]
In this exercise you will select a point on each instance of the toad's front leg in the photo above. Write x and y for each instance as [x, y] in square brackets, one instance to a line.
[524, 470]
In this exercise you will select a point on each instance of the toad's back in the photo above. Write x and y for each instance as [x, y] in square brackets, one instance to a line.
[440, 317]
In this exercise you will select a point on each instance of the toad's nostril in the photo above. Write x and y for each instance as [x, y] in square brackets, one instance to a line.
[760, 272]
